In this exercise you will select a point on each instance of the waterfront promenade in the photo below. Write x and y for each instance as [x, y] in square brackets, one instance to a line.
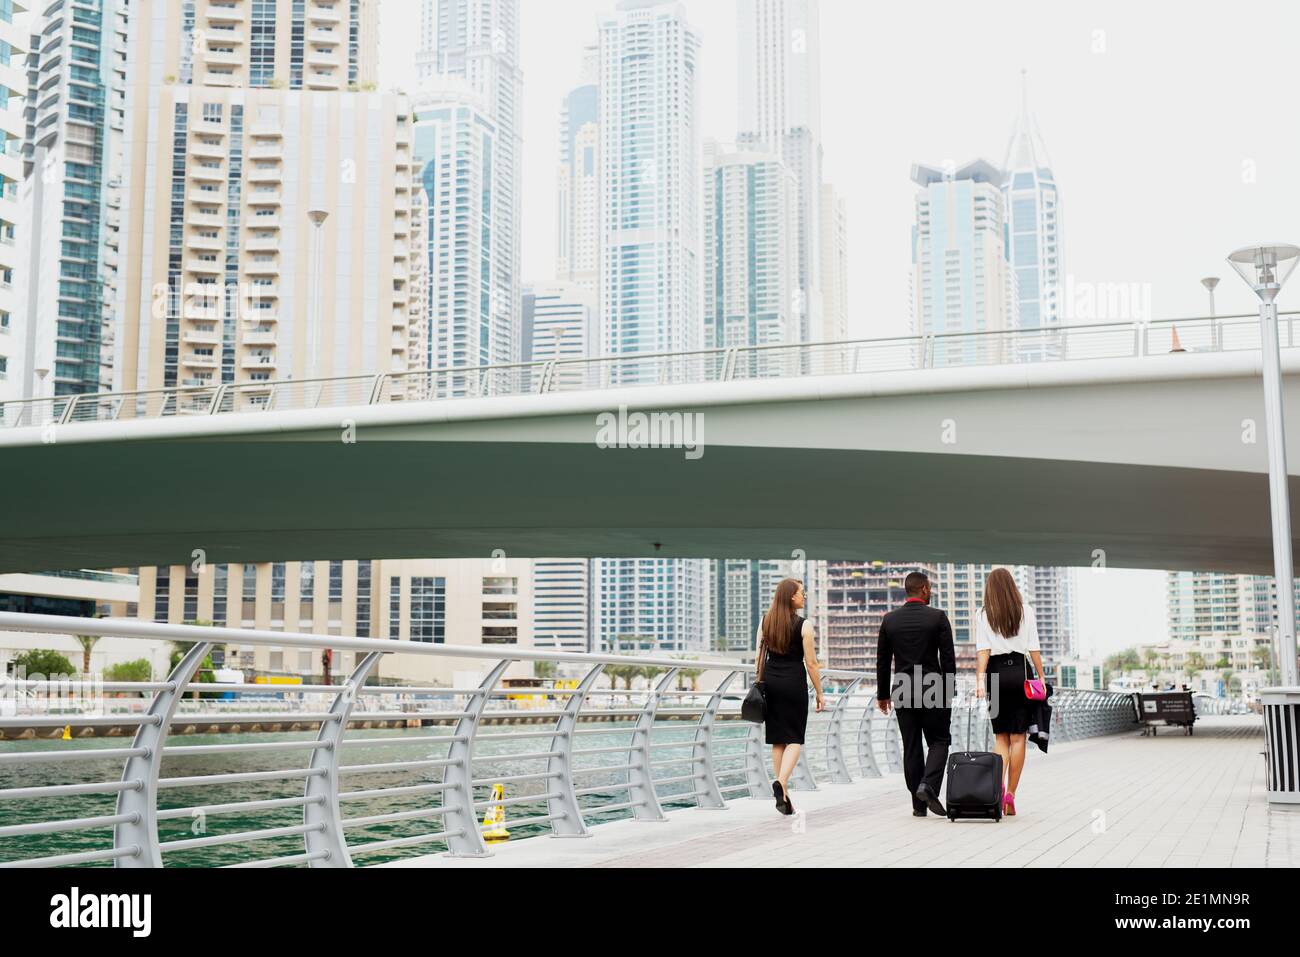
[1114, 801]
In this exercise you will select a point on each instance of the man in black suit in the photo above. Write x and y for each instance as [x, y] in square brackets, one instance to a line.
[917, 641]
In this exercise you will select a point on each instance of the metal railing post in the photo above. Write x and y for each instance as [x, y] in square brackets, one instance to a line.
[868, 766]
[568, 821]
[142, 802]
[66, 417]
[893, 743]
[215, 405]
[321, 813]
[839, 767]
[464, 839]
[755, 765]
[927, 352]
[708, 792]
[376, 390]
[640, 783]
[729, 364]
[546, 378]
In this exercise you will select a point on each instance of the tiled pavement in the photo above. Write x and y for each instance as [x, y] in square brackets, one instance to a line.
[1120, 801]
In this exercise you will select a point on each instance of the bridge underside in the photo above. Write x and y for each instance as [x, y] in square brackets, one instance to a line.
[252, 499]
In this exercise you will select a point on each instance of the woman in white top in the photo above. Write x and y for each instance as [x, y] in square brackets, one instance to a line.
[1005, 632]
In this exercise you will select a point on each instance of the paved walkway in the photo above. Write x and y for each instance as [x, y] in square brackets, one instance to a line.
[1120, 801]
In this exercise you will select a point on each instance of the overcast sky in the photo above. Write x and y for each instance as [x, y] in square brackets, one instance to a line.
[1171, 130]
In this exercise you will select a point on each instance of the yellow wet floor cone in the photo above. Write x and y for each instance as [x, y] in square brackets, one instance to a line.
[67, 732]
[494, 818]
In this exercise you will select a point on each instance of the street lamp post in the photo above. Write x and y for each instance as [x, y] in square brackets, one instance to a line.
[318, 217]
[1265, 269]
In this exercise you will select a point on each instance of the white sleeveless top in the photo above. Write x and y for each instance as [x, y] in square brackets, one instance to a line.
[986, 639]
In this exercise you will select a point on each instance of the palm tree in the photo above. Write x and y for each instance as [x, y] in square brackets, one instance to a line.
[87, 642]
[544, 669]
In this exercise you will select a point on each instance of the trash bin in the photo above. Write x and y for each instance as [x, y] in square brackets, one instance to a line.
[1281, 713]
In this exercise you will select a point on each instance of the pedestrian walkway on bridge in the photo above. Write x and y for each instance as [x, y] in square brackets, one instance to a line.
[1115, 801]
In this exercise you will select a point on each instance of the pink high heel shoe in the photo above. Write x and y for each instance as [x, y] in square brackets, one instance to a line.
[1009, 804]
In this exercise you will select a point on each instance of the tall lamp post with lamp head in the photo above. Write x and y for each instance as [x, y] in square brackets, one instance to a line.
[317, 217]
[1265, 269]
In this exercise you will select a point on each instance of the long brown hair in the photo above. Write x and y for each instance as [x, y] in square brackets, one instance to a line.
[779, 620]
[1003, 606]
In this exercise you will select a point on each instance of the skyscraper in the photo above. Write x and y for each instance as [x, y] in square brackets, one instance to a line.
[285, 44]
[835, 265]
[962, 277]
[1033, 211]
[650, 274]
[475, 45]
[578, 220]
[650, 179]
[1051, 591]
[13, 88]
[779, 62]
[742, 590]
[750, 242]
[961, 593]
[857, 596]
[72, 165]
[560, 321]
[562, 603]
[455, 141]
[1219, 603]
[221, 286]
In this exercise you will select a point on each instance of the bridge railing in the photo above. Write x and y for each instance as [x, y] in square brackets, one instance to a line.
[567, 752]
[1076, 714]
[1113, 340]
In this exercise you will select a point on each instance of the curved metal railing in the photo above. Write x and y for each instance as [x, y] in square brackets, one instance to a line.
[567, 752]
[1112, 340]
[568, 757]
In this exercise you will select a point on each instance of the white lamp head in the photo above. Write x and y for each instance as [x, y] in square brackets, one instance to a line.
[1209, 282]
[1265, 268]
[318, 216]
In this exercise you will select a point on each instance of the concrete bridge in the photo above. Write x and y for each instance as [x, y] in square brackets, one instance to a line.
[1122, 444]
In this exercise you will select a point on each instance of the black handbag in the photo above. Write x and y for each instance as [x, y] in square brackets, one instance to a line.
[754, 707]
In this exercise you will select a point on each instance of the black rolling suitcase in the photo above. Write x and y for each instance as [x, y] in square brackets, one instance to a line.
[974, 785]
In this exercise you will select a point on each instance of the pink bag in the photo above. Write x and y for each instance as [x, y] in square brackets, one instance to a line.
[1035, 688]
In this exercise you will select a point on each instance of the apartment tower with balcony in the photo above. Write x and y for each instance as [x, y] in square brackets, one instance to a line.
[13, 223]
[472, 47]
[248, 124]
[70, 195]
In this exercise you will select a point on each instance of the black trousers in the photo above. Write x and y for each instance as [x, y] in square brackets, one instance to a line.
[935, 725]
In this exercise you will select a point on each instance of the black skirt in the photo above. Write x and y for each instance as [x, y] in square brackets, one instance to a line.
[787, 699]
[1008, 706]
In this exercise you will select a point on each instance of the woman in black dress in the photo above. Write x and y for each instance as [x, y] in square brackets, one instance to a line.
[786, 643]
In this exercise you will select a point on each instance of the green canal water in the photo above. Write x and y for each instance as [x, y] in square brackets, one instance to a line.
[493, 759]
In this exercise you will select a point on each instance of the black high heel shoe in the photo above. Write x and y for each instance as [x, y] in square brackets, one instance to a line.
[782, 798]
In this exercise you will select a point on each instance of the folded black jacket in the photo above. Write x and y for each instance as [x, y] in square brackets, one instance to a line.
[1040, 721]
